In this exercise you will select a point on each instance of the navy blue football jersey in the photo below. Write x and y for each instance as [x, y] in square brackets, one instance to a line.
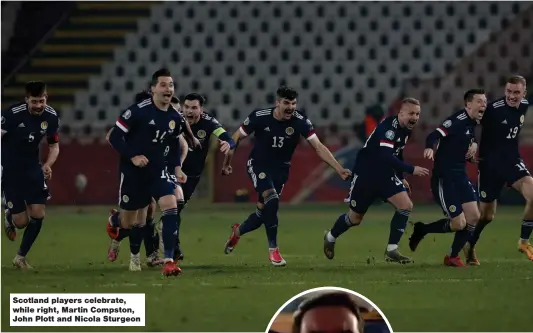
[382, 153]
[202, 130]
[22, 133]
[275, 140]
[501, 125]
[455, 136]
[150, 132]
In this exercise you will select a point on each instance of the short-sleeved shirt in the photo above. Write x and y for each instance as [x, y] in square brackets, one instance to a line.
[22, 134]
[276, 140]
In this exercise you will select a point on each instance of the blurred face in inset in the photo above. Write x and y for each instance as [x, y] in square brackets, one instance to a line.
[514, 93]
[36, 104]
[409, 115]
[192, 110]
[329, 319]
[477, 105]
[163, 90]
[286, 106]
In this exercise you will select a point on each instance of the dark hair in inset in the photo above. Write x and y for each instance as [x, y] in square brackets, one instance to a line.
[174, 100]
[195, 97]
[35, 88]
[469, 95]
[287, 93]
[516, 79]
[159, 73]
[139, 97]
[337, 298]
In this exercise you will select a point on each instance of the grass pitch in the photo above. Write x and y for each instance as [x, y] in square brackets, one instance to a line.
[241, 291]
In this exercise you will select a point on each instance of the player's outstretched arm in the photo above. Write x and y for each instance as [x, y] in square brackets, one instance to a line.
[325, 154]
[226, 141]
[387, 156]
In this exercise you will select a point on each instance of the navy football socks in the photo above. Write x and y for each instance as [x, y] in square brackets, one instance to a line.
[271, 219]
[170, 230]
[136, 237]
[398, 225]
[341, 226]
[441, 226]
[252, 222]
[30, 235]
[148, 236]
[115, 222]
[479, 228]
[526, 230]
[460, 239]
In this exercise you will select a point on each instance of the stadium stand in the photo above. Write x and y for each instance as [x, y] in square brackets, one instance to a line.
[348, 56]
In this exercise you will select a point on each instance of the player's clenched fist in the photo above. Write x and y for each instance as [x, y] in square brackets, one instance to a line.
[344, 173]
[139, 161]
[47, 172]
[227, 170]
[428, 153]
[419, 171]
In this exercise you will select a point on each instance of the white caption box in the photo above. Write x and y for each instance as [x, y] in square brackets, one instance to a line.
[77, 310]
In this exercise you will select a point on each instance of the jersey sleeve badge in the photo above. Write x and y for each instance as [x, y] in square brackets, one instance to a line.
[447, 123]
[389, 134]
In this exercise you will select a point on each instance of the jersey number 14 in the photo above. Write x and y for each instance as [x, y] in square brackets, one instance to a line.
[159, 138]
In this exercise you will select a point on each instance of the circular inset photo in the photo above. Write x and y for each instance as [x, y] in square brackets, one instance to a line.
[329, 310]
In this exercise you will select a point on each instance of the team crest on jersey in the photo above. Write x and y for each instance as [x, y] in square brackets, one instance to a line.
[453, 208]
[289, 131]
[125, 198]
[522, 119]
[246, 121]
[353, 203]
[172, 124]
[447, 123]
[483, 194]
[389, 135]
[262, 175]
[44, 125]
[9, 205]
[127, 115]
[201, 134]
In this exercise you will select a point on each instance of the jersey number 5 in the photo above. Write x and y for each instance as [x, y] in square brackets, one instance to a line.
[159, 138]
[278, 141]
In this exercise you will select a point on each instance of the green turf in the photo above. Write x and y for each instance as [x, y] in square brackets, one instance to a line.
[241, 291]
